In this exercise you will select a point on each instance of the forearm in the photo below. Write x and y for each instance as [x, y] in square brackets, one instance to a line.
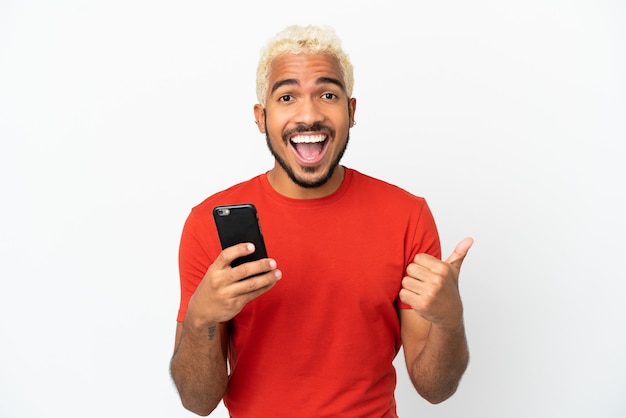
[198, 368]
[437, 370]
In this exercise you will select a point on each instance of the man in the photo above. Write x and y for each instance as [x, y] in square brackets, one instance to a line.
[354, 273]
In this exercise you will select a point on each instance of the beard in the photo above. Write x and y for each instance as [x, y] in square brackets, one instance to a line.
[290, 171]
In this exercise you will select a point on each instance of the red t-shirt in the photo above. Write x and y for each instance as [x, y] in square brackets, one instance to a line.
[322, 341]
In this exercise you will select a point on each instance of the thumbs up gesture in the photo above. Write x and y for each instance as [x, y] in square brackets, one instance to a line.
[431, 286]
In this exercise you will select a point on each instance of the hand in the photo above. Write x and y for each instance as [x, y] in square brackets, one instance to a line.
[431, 286]
[222, 293]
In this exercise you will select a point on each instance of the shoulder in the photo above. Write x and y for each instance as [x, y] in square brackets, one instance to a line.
[244, 190]
[375, 188]
[200, 218]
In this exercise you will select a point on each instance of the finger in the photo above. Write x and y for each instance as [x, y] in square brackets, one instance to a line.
[253, 268]
[257, 285]
[459, 253]
[424, 268]
[413, 284]
[230, 254]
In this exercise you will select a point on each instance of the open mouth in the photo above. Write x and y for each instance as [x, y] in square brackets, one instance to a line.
[310, 149]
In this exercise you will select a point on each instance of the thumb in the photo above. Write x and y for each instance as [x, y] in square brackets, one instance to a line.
[459, 253]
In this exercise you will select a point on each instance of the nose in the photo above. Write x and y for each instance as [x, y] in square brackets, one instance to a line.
[309, 112]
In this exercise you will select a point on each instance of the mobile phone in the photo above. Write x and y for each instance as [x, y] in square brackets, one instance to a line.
[240, 223]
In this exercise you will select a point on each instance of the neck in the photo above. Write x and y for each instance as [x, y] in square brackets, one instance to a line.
[282, 183]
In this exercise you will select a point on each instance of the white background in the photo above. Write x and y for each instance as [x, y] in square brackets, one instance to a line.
[117, 117]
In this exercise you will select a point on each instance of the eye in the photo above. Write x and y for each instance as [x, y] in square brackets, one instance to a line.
[329, 96]
[285, 98]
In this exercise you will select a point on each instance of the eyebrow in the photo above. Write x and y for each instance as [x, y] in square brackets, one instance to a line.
[294, 82]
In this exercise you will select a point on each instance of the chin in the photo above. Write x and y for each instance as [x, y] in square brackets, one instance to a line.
[309, 180]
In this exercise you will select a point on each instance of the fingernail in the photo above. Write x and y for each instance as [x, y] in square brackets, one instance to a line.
[273, 264]
[278, 274]
[250, 247]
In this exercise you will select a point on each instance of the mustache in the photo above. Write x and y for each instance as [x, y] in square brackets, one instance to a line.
[315, 127]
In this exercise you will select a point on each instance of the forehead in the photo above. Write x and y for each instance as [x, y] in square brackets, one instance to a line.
[304, 67]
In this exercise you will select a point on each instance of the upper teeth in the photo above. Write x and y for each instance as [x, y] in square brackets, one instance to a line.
[299, 139]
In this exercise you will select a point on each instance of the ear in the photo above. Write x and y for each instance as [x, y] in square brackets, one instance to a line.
[259, 117]
[351, 110]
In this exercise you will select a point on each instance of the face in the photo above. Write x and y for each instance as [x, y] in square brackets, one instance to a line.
[306, 121]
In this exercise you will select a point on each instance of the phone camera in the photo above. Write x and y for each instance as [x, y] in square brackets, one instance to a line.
[223, 212]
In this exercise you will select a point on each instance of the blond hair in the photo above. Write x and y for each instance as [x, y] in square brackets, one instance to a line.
[302, 40]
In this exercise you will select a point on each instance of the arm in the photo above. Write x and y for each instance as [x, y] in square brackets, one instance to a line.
[433, 334]
[198, 366]
[435, 358]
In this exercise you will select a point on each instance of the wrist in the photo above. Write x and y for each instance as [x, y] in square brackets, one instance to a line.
[198, 326]
[455, 326]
